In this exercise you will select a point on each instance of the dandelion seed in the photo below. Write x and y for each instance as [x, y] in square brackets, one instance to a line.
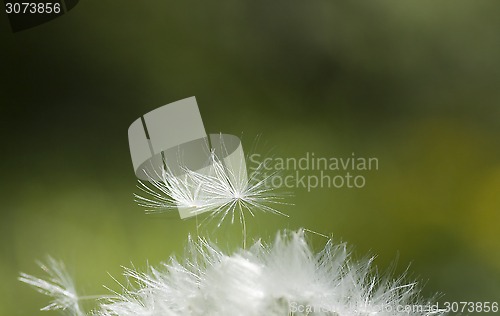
[223, 190]
[59, 286]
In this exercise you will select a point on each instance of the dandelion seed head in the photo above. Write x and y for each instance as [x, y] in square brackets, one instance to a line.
[265, 279]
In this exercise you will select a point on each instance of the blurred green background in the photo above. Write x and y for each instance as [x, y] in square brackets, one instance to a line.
[414, 83]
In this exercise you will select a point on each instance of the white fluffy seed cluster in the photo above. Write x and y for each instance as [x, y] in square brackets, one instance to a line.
[282, 278]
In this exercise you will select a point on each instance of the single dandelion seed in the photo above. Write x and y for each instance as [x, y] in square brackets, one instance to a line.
[58, 285]
[223, 190]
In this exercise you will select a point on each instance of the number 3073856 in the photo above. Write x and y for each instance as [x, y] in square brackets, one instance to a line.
[32, 8]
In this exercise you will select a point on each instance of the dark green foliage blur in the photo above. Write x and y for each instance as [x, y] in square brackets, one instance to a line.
[414, 83]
